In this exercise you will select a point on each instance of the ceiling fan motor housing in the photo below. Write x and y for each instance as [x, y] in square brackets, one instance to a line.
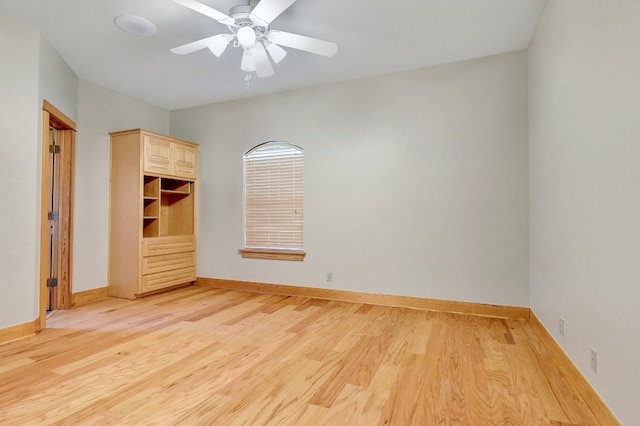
[241, 15]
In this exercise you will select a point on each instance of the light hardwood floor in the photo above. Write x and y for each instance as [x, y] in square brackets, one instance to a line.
[200, 355]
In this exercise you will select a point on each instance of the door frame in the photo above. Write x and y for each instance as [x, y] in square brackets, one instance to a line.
[65, 137]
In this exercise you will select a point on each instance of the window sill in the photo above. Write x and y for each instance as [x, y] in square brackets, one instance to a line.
[296, 255]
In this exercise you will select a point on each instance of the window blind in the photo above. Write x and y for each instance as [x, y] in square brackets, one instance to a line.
[274, 184]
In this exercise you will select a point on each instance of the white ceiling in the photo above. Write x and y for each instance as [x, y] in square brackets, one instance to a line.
[374, 37]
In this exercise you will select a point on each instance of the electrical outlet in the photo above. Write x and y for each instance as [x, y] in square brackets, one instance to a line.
[329, 277]
[561, 326]
[594, 360]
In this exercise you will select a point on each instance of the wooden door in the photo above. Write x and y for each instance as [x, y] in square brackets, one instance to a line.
[56, 211]
[53, 216]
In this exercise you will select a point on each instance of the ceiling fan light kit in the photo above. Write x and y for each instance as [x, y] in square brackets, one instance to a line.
[250, 31]
[246, 37]
[276, 52]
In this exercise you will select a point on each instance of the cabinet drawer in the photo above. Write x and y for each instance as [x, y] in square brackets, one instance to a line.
[168, 262]
[161, 280]
[168, 245]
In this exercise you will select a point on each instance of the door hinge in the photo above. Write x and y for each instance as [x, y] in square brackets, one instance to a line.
[53, 215]
[52, 282]
[54, 149]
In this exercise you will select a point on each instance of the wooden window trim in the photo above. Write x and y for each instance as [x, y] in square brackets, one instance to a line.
[273, 254]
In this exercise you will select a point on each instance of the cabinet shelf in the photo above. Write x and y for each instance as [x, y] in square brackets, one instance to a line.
[175, 192]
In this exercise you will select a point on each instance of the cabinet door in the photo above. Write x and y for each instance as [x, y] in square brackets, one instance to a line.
[184, 160]
[157, 156]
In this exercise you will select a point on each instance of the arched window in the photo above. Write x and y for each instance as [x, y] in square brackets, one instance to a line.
[273, 201]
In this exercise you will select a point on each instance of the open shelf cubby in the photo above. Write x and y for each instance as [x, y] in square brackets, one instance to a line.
[151, 187]
[176, 213]
[175, 186]
[168, 207]
[150, 227]
[151, 208]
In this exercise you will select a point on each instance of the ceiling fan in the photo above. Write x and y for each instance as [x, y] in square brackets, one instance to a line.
[250, 30]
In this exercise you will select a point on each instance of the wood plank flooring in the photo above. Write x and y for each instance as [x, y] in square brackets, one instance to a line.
[200, 355]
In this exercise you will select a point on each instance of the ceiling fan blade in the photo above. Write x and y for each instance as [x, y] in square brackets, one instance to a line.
[193, 46]
[268, 10]
[300, 42]
[207, 11]
[247, 64]
[217, 44]
[263, 64]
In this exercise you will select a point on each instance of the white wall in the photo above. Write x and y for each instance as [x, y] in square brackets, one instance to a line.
[415, 183]
[19, 156]
[584, 67]
[58, 82]
[100, 111]
[34, 72]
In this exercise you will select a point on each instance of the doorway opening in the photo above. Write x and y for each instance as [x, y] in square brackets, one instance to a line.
[58, 147]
